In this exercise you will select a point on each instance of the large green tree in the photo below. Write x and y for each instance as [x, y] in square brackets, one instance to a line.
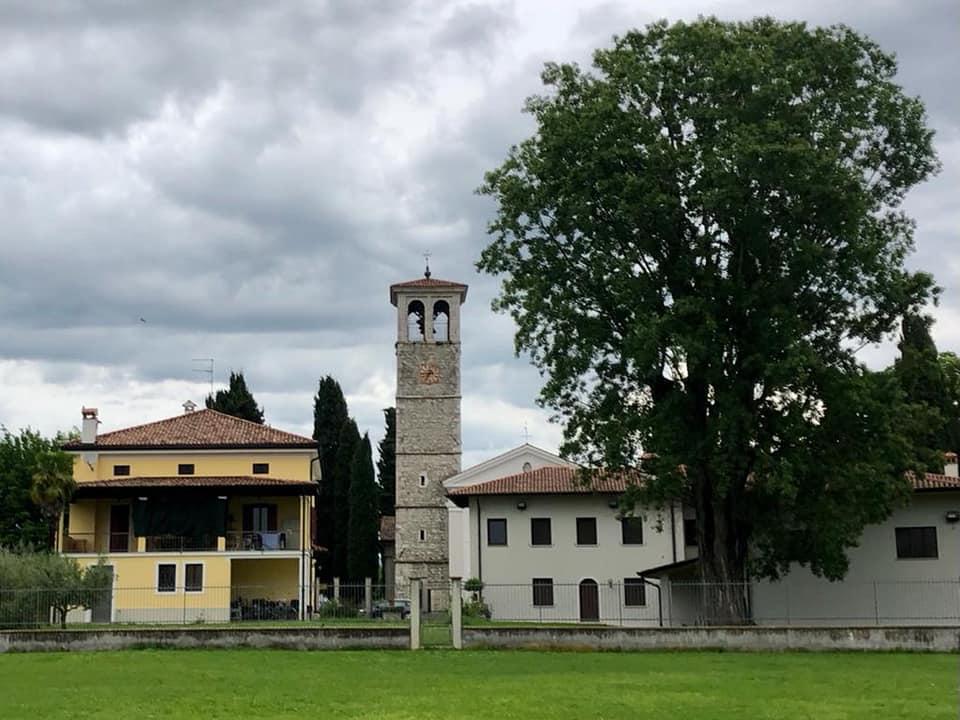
[362, 554]
[329, 415]
[694, 240]
[36, 481]
[236, 400]
[387, 463]
[347, 445]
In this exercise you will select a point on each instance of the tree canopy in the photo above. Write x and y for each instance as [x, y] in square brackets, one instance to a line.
[329, 415]
[236, 400]
[387, 463]
[362, 553]
[347, 445]
[694, 241]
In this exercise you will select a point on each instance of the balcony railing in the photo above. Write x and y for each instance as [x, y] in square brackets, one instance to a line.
[102, 542]
[263, 540]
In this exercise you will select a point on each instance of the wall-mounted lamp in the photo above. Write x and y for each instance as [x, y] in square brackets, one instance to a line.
[614, 504]
[952, 516]
[522, 505]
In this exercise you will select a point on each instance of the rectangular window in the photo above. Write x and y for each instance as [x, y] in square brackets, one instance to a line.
[423, 535]
[119, 470]
[261, 468]
[634, 592]
[259, 518]
[423, 481]
[542, 592]
[540, 531]
[185, 469]
[916, 542]
[586, 531]
[166, 577]
[496, 531]
[193, 577]
[690, 531]
[631, 530]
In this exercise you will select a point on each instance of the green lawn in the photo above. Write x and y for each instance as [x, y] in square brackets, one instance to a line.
[275, 684]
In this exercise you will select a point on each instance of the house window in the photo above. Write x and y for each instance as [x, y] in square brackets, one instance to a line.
[916, 542]
[259, 518]
[540, 531]
[631, 530]
[586, 531]
[166, 577]
[193, 577]
[423, 480]
[690, 531]
[261, 468]
[496, 531]
[634, 592]
[542, 592]
[121, 470]
[185, 469]
[527, 467]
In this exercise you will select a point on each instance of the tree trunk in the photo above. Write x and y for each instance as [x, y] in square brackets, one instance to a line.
[724, 591]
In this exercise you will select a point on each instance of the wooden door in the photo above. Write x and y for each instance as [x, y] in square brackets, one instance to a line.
[589, 600]
[119, 528]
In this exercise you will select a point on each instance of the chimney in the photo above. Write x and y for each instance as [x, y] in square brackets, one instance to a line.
[88, 431]
[189, 406]
[950, 464]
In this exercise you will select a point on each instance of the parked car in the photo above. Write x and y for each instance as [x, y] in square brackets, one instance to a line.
[397, 606]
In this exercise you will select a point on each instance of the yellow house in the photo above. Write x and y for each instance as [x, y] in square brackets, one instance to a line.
[203, 517]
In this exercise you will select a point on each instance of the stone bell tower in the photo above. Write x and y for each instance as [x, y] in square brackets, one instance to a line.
[428, 423]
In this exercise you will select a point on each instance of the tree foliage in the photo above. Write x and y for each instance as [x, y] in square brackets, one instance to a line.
[36, 481]
[329, 415]
[387, 463]
[693, 241]
[236, 400]
[363, 542]
[347, 444]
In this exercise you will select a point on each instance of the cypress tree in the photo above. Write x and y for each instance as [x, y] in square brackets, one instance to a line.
[347, 445]
[387, 463]
[362, 560]
[329, 414]
[236, 400]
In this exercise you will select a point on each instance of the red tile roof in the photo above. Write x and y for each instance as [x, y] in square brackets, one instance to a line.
[428, 283]
[388, 528]
[935, 481]
[550, 480]
[200, 429]
[195, 481]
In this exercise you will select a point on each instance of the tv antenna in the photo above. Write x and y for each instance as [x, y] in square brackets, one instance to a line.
[208, 370]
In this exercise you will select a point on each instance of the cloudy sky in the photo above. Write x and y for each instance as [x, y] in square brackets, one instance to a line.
[250, 177]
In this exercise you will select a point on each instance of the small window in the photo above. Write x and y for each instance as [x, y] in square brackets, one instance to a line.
[185, 469]
[261, 468]
[631, 530]
[542, 592]
[586, 531]
[540, 533]
[690, 531]
[423, 535]
[193, 577]
[527, 467]
[634, 592]
[119, 470]
[496, 531]
[916, 542]
[166, 577]
[423, 480]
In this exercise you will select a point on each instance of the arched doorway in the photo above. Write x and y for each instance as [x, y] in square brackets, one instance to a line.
[589, 600]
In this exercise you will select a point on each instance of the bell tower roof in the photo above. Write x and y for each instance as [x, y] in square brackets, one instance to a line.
[428, 284]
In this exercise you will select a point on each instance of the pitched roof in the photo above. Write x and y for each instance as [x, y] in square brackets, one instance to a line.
[426, 283]
[210, 481]
[388, 528]
[935, 481]
[551, 480]
[200, 429]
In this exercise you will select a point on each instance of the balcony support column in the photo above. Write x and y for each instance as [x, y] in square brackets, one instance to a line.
[141, 544]
[221, 543]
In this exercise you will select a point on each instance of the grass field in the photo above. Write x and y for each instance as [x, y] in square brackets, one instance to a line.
[274, 684]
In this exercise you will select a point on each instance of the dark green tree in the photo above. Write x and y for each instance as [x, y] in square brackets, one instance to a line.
[329, 415]
[236, 400]
[951, 375]
[692, 242]
[387, 463]
[36, 481]
[347, 445]
[363, 543]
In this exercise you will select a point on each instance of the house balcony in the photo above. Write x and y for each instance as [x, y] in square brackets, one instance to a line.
[104, 543]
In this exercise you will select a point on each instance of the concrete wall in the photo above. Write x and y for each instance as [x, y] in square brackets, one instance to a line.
[281, 638]
[922, 639]
[879, 588]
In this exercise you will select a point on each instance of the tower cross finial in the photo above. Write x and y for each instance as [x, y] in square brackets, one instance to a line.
[426, 259]
[526, 433]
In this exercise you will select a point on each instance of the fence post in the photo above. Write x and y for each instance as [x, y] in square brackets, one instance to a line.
[368, 596]
[456, 613]
[414, 614]
[336, 589]
[876, 603]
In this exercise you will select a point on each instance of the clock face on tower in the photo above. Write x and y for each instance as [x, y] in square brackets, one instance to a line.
[429, 373]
